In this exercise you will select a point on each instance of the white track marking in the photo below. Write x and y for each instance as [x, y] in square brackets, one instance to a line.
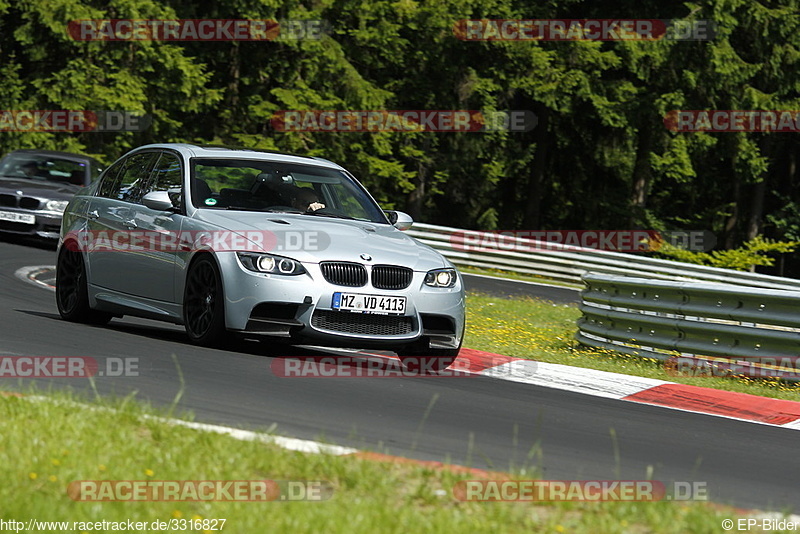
[26, 274]
[577, 379]
[293, 444]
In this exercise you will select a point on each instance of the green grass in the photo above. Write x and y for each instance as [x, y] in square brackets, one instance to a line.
[46, 444]
[541, 330]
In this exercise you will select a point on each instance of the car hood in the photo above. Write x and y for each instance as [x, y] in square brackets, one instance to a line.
[42, 189]
[309, 238]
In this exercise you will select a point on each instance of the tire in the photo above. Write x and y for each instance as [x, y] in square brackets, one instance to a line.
[204, 304]
[72, 294]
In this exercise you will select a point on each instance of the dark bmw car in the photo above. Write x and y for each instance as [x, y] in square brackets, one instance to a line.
[35, 187]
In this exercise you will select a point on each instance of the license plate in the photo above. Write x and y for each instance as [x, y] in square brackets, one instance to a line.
[378, 304]
[17, 217]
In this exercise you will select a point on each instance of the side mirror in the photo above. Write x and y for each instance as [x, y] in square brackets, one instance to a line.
[158, 200]
[400, 220]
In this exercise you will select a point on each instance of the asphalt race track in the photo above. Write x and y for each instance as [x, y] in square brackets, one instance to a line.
[502, 287]
[475, 421]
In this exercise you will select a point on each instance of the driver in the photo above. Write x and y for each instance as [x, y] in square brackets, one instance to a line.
[306, 199]
[31, 170]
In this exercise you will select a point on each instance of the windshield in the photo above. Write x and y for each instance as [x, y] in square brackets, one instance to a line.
[257, 185]
[45, 168]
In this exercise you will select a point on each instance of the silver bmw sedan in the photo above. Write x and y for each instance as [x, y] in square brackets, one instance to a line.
[226, 240]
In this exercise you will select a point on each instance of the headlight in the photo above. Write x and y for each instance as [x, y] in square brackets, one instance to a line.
[56, 205]
[266, 263]
[441, 278]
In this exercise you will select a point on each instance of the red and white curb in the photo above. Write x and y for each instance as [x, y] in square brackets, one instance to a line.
[729, 404]
[43, 276]
[695, 399]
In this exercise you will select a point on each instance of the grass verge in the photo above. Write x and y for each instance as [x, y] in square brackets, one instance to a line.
[541, 330]
[45, 444]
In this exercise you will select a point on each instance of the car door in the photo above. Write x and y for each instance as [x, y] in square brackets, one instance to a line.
[153, 252]
[111, 220]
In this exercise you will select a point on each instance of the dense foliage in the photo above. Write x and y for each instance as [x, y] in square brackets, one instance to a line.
[600, 156]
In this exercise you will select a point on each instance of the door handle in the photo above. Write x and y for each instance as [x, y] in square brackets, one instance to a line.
[131, 224]
[92, 215]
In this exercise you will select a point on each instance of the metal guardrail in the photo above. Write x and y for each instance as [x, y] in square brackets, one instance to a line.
[680, 310]
[569, 264]
[755, 328]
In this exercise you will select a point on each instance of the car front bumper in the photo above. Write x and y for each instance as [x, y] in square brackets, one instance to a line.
[47, 225]
[300, 308]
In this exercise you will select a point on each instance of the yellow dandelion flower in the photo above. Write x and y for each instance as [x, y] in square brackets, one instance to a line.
[177, 514]
[196, 517]
[101, 467]
[560, 528]
[149, 472]
[52, 478]
[33, 476]
[55, 462]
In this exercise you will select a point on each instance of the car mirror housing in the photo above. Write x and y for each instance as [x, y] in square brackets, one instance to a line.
[400, 220]
[158, 200]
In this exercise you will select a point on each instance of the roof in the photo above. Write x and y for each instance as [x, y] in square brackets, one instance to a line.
[215, 151]
[55, 153]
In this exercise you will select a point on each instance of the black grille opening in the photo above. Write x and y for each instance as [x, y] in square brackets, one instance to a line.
[438, 324]
[29, 203]
[9, 201]
[362, 323]
[391, 277]
[274, 310]
[344, 273]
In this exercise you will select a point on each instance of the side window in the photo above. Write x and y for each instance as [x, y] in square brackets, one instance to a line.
[109, 180]
[167, 176]
[133, 176]
[124, 180]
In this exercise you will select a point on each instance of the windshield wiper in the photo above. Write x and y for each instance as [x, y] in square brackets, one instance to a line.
[293, 211]
[318, 214]
[268, 210]
[283, 210]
